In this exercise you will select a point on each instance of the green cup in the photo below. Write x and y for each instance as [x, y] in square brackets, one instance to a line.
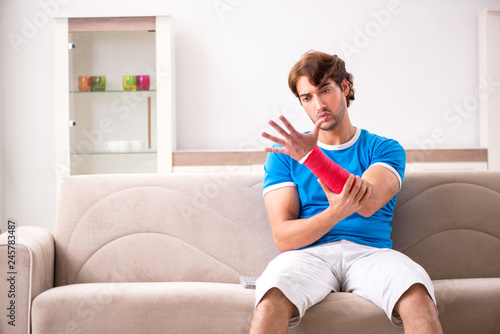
[99, 83]
[129, 83]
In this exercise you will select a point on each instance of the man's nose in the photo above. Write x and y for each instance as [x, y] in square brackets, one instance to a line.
[319, 105]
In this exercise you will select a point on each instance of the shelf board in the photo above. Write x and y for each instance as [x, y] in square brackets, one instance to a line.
[217, 158]
[448, 155]
[112, 91]
[114, 153]
[88, 24]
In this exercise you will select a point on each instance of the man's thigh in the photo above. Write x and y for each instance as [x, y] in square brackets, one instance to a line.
[303, 277]
[382, 276]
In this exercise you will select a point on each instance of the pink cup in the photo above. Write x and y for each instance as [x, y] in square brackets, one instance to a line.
[142, 82]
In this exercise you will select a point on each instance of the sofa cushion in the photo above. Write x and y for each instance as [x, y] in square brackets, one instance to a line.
[121, 308]
[150, 228]
[465, 306]
[135, 228]
[469, 305]
[345, 312]
[208, 308]
[449, 222]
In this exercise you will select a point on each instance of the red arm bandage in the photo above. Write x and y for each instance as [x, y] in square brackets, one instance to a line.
[326, 170]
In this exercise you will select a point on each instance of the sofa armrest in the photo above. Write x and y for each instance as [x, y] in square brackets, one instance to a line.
[27, 269]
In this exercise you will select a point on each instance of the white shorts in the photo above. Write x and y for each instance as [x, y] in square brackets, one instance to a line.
[307, 276]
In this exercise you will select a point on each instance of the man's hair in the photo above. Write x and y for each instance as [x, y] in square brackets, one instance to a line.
[319, 67]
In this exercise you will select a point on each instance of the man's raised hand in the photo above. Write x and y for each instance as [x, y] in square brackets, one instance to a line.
[294, 143]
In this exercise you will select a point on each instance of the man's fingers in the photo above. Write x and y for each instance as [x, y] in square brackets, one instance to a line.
[288, 125]
[349, 183]
[365, 197]
[273, 138]
[357, 184]
[359, 188]
[279, 129]
[325, 187]
[361, 191]
[275, 149]
[317, 125]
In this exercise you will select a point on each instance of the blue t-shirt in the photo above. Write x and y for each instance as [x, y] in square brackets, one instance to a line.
[362, 151]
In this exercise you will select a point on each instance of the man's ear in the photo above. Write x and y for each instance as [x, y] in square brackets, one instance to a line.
[345, 87]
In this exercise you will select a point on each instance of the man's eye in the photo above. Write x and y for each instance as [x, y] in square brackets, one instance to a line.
[326, 91]
[306, 99]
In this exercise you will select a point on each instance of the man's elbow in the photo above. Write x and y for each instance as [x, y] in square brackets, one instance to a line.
[281, 244]
[282, 247]
[367, 210]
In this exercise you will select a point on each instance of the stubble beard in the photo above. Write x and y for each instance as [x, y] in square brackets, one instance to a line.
[338, 117]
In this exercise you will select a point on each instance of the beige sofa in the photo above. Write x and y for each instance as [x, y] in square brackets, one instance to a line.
[163, 254]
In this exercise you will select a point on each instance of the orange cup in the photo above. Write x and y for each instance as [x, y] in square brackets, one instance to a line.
[85, 83]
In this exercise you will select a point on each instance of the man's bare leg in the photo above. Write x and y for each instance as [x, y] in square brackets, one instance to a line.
[418, 312]
[272, 314]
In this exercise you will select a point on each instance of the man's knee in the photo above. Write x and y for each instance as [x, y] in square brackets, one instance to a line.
[275, 301]
[418, 311]
[416, 296]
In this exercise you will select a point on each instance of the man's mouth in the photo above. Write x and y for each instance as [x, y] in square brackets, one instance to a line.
[323, 115]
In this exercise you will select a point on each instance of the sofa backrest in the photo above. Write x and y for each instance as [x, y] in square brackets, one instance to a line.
[154, 227]
[214, 227]
[449, 222]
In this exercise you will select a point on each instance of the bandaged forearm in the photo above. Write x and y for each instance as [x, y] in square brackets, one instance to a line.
[326, 170]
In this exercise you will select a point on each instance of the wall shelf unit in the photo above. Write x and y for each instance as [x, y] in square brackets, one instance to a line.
[114, 131]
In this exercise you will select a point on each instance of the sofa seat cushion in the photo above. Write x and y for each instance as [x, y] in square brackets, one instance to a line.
[185, 307]
[143, 308]
[469, 305]
[344, 312]
[465, 306]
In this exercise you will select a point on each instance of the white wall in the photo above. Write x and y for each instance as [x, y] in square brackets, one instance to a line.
[3, 224]
[414, 63]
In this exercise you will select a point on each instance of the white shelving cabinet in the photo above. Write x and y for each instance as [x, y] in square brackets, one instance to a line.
[114, 131]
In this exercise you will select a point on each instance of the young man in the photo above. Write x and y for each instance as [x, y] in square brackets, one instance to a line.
[330, 195]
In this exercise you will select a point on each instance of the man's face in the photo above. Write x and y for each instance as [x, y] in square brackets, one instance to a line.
[325, 101]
